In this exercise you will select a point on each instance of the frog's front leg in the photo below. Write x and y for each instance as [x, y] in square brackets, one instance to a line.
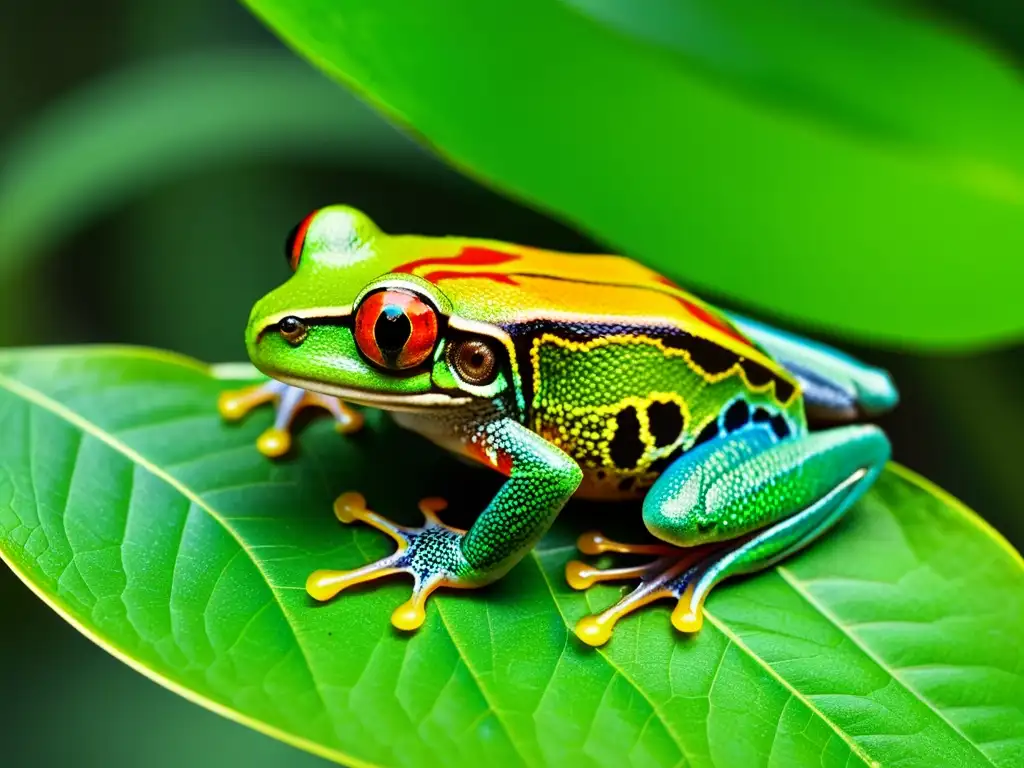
[541, 478]
[277, 440]
[735, 505]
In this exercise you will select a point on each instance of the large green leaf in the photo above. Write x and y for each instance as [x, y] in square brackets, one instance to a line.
[811, 161]
[164, 536]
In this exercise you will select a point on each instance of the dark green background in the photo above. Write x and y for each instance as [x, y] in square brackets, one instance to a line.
[179, 266]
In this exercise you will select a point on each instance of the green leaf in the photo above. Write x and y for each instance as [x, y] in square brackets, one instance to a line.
[165, 537]
[123, 134]
[812, 162]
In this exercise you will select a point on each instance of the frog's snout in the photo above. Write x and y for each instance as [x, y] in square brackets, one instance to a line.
[263, 336]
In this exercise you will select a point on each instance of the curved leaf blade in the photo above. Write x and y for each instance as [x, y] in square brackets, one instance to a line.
[164, 536]
[819, 198]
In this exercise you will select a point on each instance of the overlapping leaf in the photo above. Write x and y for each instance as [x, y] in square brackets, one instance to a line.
[813, 162]
[163, 535]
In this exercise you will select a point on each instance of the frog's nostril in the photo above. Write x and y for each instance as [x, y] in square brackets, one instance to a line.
[293, 330]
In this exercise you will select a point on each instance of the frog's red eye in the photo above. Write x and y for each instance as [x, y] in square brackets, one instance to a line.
[396, 329]
[295, 240]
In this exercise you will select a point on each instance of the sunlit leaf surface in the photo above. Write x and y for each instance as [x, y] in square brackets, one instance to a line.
[163, 535]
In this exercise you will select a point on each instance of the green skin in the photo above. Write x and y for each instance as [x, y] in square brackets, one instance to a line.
[766, 494]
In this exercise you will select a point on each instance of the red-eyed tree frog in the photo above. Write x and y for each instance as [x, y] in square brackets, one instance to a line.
[571, 375]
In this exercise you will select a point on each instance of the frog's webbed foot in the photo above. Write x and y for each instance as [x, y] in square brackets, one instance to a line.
[799, 487]
[674, 573]
[277, 440]
[430, 554]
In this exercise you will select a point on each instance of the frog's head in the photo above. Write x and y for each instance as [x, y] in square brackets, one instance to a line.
[346, 323]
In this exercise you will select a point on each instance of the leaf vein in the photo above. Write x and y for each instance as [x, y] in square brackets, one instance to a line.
[603, 654]
[809, 703]
[796, 585]
[88, 427]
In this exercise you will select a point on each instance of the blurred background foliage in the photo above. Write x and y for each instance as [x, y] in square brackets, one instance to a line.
[152, 156]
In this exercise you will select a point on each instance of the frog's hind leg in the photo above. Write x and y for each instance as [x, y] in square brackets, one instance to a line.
[739, 504]
[277, 440]
[836, 387]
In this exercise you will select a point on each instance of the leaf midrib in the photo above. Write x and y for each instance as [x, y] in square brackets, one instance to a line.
[679, 742]
[480, 687]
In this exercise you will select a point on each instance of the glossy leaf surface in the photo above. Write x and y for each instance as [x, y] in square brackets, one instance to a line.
[164, 536]
[807, 161]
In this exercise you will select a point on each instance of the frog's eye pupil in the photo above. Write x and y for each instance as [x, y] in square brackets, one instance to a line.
[395, 329]
[392, 329]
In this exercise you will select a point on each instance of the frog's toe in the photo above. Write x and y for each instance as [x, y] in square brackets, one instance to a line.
[596, 543]
[234, 404]
[274, 442]
[290, 401]
[675, 573]
[347, 420]
[656, 583]
[431, 554]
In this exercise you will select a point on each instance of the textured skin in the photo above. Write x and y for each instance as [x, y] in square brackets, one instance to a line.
[749, 480]
[833, 384]
[541, 479]
[604, 375]
[624, 429]
[764, 497]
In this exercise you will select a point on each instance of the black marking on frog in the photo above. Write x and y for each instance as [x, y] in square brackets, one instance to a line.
[626, 448]
[780, 426]
[666, 422]
[710, 432]
[736, 416]
[660, 465]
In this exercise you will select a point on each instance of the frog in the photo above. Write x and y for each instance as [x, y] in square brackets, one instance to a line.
[573, 376]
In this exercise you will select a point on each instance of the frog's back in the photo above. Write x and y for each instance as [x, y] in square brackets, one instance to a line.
[615, 364]
[501, 283]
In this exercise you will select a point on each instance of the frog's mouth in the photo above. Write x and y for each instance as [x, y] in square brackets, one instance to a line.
[420, 401]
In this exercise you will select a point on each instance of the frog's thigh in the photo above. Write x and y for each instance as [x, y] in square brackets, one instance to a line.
[771, 498]
[746, 482]
[835, 386]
